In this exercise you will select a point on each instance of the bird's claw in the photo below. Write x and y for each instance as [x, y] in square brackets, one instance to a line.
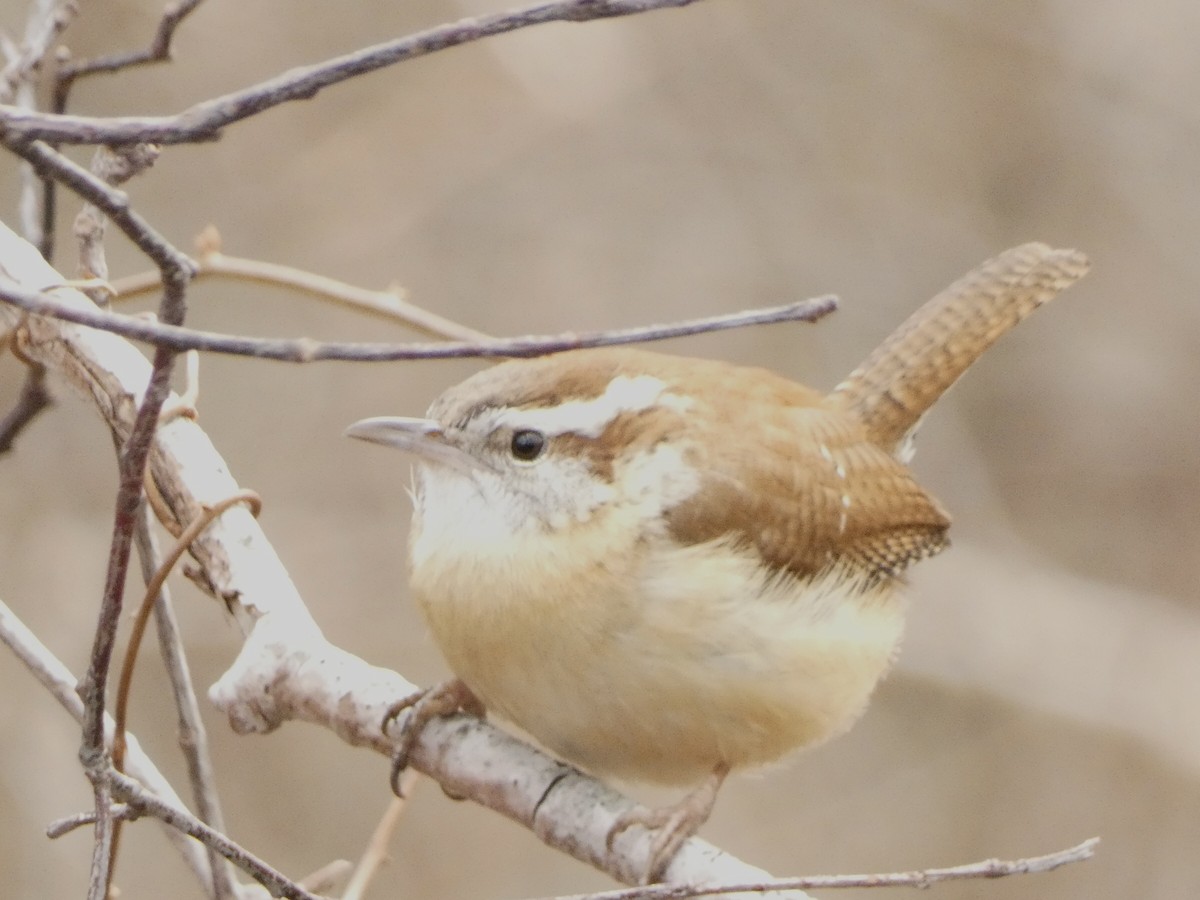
[671, 825]
[441, 700]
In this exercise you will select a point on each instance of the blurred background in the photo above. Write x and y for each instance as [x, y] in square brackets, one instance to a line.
[647, 169]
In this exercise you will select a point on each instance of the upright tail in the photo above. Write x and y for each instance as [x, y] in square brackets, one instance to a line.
[920, 360]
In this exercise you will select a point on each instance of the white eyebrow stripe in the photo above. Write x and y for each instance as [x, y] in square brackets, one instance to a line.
[590, 417]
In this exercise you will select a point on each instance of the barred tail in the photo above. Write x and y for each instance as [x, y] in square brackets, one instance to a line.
[908, 372]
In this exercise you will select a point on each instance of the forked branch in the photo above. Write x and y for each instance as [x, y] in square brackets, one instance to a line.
[205, 120]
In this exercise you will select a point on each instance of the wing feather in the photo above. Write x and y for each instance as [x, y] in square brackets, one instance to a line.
[816, 493]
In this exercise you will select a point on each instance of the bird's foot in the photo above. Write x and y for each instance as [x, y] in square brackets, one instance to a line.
[672, 825]
[444, 699]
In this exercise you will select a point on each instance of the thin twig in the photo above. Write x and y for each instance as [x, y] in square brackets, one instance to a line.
[158, 50]
[326, 878]
[192, 737]
[153, 587]
[100, 872]
[389, 304]
[33, 400]
[121, 812]
[205, 120]
[69, 72]
[113, 166]
[272, 879]
[61, 683]
[923, 878]
[381, 838]
[308, 350]
[34, 207]
[131, 469]
[176, 269]
[47, 20]
[49, 163]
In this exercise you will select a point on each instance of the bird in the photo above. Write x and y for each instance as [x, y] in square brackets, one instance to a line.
[664, 568]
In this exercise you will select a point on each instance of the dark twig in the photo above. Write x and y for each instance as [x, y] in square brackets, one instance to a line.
[61, 683]
[68, 72]
[153, 586]
[132, 464]
[139, 798]
[158, 50]
[193, 740]
[923, 878]
[49, 163]
[34, 398]
[176, 269]
[205, 120]
[307, 350]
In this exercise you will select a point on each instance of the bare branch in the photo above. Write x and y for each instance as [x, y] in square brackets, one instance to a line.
[308, 350]
[205, 120]
[51, 164]
[389, 304]
[924, 878]
[47, 20]
[153, 587]
[142, 618]
[131, 471]
[100, 874]
[377, 848]
[326, 878]
[160, 799]
[120, 812]
[159, 50]
[193, 740]
[149, 804]
[33, 400]
[61, 683]
[113, 166]
[176, 269]
[287, 671]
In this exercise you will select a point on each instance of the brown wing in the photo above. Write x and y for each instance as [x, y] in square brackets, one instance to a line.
[783, 469]
[812, 492]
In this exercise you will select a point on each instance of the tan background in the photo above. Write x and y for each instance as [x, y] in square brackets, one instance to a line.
[682, 163]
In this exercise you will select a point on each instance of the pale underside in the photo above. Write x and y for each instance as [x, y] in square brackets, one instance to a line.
[661, 683]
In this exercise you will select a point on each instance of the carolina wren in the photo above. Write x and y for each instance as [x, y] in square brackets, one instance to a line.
[667, 568]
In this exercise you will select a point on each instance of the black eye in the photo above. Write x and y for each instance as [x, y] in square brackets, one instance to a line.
[527, 444]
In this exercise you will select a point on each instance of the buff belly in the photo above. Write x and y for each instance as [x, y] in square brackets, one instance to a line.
[664, 682]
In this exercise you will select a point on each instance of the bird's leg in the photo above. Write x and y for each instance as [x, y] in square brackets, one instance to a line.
[672, 824]
[444, 699]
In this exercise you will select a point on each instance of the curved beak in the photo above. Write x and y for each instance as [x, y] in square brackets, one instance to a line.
[422, 437]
